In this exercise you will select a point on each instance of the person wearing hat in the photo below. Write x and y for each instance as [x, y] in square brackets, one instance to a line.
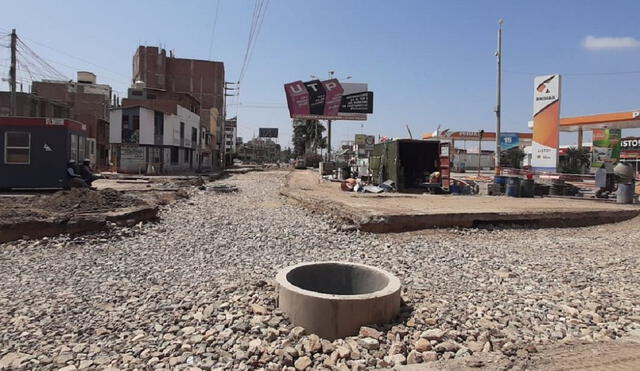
[74, 180]
[86, 173]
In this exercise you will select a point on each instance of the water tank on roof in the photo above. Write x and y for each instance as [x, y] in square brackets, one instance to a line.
[86, 77]
[139, 84]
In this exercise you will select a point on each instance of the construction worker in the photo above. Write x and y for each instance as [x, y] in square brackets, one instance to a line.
[74, 180]
[86, 173]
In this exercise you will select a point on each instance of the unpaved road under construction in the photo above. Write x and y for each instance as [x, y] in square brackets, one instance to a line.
[195, 291]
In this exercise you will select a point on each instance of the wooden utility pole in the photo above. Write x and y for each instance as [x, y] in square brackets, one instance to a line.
[12, 72]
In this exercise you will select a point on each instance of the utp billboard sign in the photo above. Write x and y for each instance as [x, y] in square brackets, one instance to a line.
[328, 100]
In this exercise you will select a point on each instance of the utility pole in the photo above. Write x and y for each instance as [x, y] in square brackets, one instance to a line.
[498, 86]
[225, 88]
[480, 151]
[12, 72]
[329, 128]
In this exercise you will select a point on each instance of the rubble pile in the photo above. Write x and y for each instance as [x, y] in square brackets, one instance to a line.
[195, 290]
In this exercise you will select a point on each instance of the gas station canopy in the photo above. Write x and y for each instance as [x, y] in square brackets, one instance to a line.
[472, 135]
[618, 120]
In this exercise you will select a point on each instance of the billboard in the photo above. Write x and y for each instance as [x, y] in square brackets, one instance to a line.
[546, 123]
[605, 149]
[328, 100]
[364, 140]
[268, 132]
[509, 140]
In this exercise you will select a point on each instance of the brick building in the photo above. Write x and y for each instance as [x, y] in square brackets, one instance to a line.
[30, 105]
[161, 77]
[89, 104]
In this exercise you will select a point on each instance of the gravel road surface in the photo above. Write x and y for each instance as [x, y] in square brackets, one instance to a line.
[195, 291]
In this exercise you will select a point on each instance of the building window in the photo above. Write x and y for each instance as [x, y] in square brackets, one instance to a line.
[194, 137]
[17, 148]
[158, 121]
[182, 130]
[174, 155]
[186, 155]
[82, 148]
[57, 111]
[130, 128]
[73, 147]
[156, 154]
[92, 146]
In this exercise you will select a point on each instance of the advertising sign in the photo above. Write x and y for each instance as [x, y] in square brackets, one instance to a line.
[357, 103]
[297, 99]
[605, 148]
[268, 132]
[328, 100]
[630, 144]
[509, 140]
[360, 139]
[546, 123]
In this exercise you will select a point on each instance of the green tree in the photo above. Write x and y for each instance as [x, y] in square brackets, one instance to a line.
[576, 161]
[307, 134]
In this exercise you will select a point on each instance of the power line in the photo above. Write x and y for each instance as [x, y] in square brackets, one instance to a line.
[213, 28]
[113, 73]
[259, 12]
[578, 73]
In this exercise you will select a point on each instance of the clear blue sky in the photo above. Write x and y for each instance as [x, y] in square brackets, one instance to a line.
[429, 63]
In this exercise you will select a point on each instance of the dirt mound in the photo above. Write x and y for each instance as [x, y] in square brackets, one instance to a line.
[65, 203]
[86, 200]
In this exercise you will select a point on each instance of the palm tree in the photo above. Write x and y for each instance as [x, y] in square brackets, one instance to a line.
[576, 161]
[306, 134]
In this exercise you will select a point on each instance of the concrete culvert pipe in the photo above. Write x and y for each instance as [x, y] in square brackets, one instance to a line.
[334, 299]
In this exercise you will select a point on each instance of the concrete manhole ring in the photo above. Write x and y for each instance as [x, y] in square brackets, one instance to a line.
[334, 299]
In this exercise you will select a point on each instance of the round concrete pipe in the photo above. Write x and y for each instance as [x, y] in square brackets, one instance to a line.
[333, 299]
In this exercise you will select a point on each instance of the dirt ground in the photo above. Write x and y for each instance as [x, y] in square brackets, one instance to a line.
[401, 212]
[307, 182]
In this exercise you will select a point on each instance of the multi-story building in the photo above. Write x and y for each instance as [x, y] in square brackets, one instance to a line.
[163, 76]
[89, 104]
[154, 136]
[31, 105]
[259, 150]
[230, 135]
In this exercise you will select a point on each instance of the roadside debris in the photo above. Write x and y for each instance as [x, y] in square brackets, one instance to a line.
[358, 185]
[223, 188]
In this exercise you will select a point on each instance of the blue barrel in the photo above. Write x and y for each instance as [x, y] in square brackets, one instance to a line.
[513, 186]
[501, 181]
